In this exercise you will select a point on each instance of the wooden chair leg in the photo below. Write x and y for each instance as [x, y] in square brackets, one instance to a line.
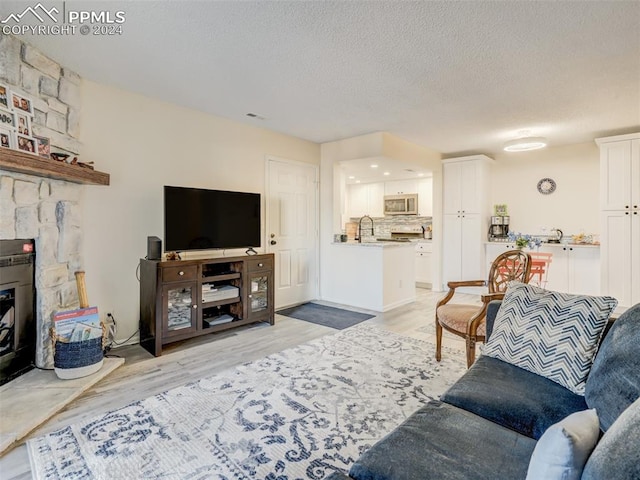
[471, 351]
[438, 341]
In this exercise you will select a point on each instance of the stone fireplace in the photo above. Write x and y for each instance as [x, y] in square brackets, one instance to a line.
[48, 211]
[40, 207]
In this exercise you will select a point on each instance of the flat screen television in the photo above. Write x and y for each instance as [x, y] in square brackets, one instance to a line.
[200, 219]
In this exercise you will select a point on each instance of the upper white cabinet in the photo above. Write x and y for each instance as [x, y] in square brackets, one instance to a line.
[619, 174]
[466, 215]
[375, 196]
[465, 184]
[368, 198]
[400, 187]
[365, 199]
[620, 217]
[425, 197]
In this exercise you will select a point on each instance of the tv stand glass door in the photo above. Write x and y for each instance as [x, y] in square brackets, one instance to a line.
[181, 309]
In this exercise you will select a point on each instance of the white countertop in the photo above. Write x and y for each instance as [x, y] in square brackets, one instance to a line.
[376, 244]
[552, 245]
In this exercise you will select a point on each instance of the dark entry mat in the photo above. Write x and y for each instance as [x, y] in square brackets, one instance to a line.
[328, 316]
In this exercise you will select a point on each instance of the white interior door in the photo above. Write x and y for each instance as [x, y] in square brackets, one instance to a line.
[292, 230]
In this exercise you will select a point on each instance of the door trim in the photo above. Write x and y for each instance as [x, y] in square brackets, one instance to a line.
[316, 235]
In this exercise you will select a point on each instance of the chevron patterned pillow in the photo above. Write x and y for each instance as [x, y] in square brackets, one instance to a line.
[552, 334]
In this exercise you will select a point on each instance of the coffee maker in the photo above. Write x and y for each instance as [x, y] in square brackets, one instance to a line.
[499, 229]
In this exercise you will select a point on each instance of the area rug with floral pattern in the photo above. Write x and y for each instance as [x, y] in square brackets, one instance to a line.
[298, 414]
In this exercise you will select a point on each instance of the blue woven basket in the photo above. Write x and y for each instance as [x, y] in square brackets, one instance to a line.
[77, 354]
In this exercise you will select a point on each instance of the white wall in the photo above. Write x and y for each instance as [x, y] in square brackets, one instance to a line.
[572, 207]
[145, 144]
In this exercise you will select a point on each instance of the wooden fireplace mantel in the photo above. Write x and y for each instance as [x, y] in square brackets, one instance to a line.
[21, 162]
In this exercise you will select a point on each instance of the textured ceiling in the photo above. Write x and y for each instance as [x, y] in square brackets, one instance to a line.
[459, 77]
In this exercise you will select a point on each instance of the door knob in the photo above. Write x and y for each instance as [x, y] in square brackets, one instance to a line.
[273, 242]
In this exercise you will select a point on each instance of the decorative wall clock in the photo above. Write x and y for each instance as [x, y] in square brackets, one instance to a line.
[546, 186]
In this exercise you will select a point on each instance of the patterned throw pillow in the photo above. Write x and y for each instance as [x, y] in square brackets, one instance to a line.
[553, 334]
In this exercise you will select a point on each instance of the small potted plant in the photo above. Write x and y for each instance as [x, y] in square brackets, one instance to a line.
[524, 240]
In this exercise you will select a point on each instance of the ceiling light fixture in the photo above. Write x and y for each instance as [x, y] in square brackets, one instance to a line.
[525, 143]
[373, 165]
[351, 177]
[386, 173]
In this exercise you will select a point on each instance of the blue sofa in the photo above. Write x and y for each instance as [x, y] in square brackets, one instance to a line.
[487, 424]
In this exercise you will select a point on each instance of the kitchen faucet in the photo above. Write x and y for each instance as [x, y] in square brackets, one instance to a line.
[360, 227]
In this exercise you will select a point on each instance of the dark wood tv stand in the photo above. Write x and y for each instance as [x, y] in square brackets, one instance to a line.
[183, 299]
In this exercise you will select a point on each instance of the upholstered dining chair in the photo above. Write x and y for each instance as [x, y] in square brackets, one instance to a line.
[468, 321]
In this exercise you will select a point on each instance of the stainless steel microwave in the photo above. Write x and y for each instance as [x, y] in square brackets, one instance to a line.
[401, 204]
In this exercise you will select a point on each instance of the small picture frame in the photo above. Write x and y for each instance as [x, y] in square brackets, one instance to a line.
[23, 124]
[26, 144]
[7, 137]
[7, 118]
[43, 146]
[4, 96]
[21, 104]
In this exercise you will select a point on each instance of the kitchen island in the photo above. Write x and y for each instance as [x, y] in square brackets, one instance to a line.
[373, 275]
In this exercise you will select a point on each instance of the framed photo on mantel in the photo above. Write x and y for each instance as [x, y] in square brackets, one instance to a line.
[21, 103]
[7, 137]
[43, 146]
[4, 97]
[23, 123]
[26, 144]
[7, 118]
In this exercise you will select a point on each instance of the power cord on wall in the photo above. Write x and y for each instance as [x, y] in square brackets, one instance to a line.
[111, 332]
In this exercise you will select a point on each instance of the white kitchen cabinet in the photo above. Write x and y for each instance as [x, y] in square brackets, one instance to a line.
[357, 201]
[425, 197]
[573, 268]
[424, 264]
[619, 174]
[492, 250]
[400, 187]
[620, 217]
[365, 199]
[620, 264]
[466, 184]
[466, 216]
[462, 249]
[375, 199]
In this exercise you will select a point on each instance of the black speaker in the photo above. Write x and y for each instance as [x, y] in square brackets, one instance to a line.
[154, 248]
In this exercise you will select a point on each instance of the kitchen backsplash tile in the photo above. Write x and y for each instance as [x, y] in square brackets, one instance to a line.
[383, 226]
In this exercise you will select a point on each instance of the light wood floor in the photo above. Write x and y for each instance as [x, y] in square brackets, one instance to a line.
[143, 375]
